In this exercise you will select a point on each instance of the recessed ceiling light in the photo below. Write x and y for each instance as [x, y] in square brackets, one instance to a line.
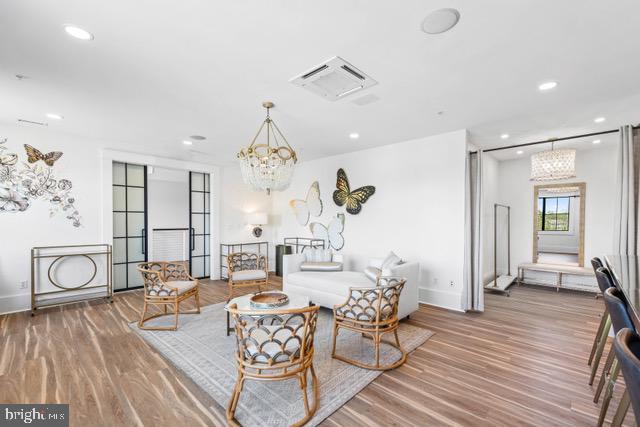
[54, 116]
[519, 152]
[441, 20]
[599, 119]
[198, 137]
[354, 135]
[78, 32]
[596, 141]
[504, 136]
[547, 86]
[187, 142]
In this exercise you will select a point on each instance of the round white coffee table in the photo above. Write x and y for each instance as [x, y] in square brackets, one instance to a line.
[243, 302]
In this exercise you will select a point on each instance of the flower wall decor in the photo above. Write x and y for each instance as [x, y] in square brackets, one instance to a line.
[21, 184]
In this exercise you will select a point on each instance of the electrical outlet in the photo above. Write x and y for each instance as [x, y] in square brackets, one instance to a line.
[24, 284]
[451, 283]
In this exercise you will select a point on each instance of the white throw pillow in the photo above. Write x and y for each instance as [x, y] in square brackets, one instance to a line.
[390, 261]
[372, 273]
[317, 255]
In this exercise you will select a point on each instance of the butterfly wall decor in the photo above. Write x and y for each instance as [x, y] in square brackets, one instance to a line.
[331, 233]
[312, 205]
[33, 155]
[353, 199]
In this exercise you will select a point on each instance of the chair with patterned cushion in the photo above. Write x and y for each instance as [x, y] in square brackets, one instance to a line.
[274, 345]
[246, 270]
[167, 283]
[373, 312]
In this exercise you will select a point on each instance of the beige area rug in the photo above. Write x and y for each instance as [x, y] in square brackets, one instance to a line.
[201, 350]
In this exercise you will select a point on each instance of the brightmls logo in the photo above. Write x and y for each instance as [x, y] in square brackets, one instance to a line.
[54, 415]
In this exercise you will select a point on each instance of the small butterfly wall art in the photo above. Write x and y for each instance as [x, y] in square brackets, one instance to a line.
[352, 199]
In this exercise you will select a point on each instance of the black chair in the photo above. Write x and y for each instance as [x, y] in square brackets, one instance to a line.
[605, 281]
[617, 306]
[627, 348]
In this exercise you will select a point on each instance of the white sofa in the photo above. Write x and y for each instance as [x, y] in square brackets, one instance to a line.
[328, 288]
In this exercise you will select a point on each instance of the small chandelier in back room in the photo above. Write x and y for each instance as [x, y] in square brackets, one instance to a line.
[553, 165]
[268, 166]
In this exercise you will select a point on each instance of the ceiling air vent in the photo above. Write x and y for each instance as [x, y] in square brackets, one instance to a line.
[334, 79]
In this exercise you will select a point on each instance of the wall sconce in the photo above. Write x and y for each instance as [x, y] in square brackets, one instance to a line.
[257, 219]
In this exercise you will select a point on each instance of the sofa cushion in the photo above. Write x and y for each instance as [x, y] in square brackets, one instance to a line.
[317, 255]
[182, 285]
[248, 275]
[372, 273]
[321, 266]
[337, 283]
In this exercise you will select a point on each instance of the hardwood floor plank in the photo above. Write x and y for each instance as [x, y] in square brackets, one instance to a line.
[521, 362]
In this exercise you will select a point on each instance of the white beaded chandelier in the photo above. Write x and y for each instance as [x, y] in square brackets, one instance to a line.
[267, 167]
[553, 165]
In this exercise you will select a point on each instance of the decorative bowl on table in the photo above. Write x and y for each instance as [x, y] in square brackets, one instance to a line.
[266, 300]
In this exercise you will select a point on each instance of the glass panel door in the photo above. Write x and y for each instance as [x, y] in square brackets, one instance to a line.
[199, 217]
[129, 224]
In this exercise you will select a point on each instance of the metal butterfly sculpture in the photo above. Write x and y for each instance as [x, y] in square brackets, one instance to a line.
[33, 155]
[353, 199]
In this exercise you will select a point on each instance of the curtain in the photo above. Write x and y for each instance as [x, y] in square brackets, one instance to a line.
[473, 290]
[626, 203]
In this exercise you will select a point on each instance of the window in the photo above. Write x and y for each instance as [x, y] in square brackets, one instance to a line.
[553, 213]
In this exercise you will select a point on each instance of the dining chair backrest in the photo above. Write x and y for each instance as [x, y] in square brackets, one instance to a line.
[617, 306]
[627, 348]
[596, 263]
[604, 279]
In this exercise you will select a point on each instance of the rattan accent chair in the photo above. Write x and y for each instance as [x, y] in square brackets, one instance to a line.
[372, 311]
[275, 345]
[245, 270]
[167, 283]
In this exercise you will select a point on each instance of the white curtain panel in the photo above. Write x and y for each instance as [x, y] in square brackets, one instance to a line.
[473, 289]
[626, 204]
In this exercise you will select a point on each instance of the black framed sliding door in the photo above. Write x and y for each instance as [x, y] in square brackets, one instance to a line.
[129, 224]
[199, 225]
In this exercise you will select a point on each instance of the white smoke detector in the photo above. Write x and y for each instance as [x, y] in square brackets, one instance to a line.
[334, 79]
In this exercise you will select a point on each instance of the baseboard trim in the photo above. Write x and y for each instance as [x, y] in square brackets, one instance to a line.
[440, 298]
[15, 303]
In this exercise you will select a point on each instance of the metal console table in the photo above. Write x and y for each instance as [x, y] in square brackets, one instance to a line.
[301, 243]
[259, 248]
[47, 259]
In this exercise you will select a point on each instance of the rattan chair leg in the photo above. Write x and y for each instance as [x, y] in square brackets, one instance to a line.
[605, 373]
[601, 343]
[144, 311]
[596, 339]
[335, 337]
[197, 297]
[235, 397]
[309, 410]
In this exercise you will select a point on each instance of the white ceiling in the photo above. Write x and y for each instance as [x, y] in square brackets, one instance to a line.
[159, 71]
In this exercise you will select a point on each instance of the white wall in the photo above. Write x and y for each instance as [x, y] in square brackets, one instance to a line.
[240, 200]
[88, 164]
[417, 210]
[21, 231]
[595, 167]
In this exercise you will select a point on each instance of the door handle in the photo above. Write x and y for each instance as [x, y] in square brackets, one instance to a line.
[193, 239]
[144, 240]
